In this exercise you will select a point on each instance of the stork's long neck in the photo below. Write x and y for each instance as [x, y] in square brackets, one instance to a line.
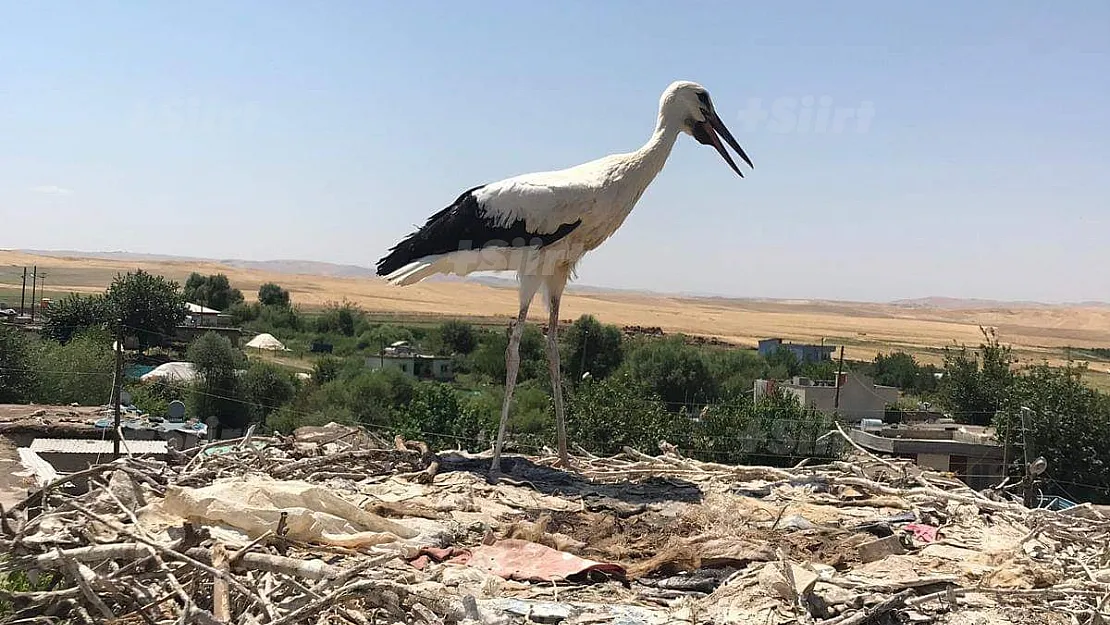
[648, 161]
[641, 167]
[630, 178]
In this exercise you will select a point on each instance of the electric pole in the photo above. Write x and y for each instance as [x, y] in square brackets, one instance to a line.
[1027, 482]
[34, 278]
[23, 294]
[1006, 446]
[839, 375]
[117, 387]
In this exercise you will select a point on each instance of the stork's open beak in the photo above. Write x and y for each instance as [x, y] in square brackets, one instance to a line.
[706, 133]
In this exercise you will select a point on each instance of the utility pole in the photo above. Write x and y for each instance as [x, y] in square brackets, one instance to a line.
[23, 294]
[1006, 446]
[839, 374]
[117, 388]
[1027, 482]
[34, 278]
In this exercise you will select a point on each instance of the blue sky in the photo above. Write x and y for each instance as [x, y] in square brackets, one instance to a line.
[326, 131]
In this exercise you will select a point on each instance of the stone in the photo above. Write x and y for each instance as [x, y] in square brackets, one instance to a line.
[773, 582]
[834, 595]
[881, 548]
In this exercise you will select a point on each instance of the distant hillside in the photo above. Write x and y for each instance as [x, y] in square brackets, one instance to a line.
[302, 267]
[507, 280]
[955, 303]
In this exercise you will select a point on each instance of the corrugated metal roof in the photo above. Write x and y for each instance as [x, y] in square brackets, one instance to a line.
[93, 446]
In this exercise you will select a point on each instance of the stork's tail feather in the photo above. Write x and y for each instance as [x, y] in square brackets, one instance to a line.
[411, 273]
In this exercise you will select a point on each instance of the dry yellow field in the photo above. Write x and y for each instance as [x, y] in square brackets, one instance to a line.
[1037, 333]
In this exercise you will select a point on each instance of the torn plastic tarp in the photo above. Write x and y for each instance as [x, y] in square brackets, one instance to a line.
[255, 504]
[526, 561]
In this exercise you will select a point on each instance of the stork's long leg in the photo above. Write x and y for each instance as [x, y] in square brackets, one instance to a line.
[528, 289]
[557, 376]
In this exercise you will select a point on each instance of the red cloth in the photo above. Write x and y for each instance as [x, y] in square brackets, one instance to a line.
[427, 555]
[922, 532]
[527, 561]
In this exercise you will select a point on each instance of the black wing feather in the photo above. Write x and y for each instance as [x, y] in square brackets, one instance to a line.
[463, 226]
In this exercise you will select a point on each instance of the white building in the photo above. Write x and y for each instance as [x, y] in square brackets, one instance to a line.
[860, 398]
[403, 357]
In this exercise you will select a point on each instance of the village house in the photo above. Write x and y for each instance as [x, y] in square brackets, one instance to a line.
[407, 360]
[969, 452]
[854, 398]
[804, 353]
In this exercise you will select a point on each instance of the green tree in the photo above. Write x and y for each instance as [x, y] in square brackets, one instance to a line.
[288, 418]
[339, 319]
[902, 370]
[735, 370]
[593, 347]
[326, 369]
[81, 371]
[818, 370]
[17, 378]
[155, 397]
[270, 318]
[377, 397]
[1067, 422]
[148, 306]
[213, 291]
[775, 431]
[783, 363]
[74, 314]
[431, 415]
[377, 337]
[457, 337]
[271, 294]
[603, 416]
[977, 384]
[267, 387]
[674, 371]
[489, 359]
[532, 416]
[479, 414]
[244, 313]
[218, 391]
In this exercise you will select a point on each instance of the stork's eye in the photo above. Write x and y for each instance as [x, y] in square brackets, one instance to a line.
[703, 97]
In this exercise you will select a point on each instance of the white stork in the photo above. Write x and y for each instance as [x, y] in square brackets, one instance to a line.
[541, 224]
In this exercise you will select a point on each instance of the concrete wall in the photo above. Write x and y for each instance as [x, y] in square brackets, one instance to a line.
[938, 462]
[74, 462]
[979, 465]
[437, 368]
[804, 353]
[859, 398]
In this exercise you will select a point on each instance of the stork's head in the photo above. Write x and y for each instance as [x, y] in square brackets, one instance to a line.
[687, 104]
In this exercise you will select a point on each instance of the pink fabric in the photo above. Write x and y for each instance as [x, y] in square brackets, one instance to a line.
[450, 554]
[922, 532]
[522, 560]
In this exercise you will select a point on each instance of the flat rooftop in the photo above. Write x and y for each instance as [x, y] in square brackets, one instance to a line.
[49, 421]
[96, 446]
